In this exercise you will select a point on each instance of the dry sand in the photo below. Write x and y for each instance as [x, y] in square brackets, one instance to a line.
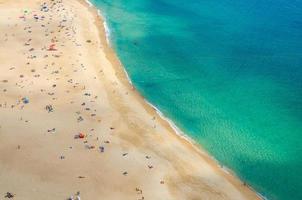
[58, 78]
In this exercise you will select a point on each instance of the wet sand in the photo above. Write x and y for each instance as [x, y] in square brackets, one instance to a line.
[71, 125]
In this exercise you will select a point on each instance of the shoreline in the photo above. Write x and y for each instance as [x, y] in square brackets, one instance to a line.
[72, 124]
[228, 173]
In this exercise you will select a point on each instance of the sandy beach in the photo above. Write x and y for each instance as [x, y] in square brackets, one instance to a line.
[71, 124]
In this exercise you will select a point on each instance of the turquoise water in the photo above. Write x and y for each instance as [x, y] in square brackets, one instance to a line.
[228, 73]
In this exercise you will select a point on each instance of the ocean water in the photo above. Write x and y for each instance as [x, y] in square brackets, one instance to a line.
[228, 73]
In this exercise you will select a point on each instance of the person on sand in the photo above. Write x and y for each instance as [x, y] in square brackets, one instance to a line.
[9, 195]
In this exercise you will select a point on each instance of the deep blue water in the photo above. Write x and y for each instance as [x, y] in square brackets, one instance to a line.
[228, 73]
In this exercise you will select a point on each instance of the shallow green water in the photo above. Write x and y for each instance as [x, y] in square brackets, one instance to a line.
[228, 73]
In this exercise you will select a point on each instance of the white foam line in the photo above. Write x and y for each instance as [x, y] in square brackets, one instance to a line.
[89, 3]
[107, 32]
[178, 132]
[106, 27]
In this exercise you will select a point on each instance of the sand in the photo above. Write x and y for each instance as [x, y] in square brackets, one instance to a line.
[72, 125]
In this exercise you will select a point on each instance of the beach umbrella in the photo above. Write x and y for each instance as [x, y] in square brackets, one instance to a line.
[25, 100]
